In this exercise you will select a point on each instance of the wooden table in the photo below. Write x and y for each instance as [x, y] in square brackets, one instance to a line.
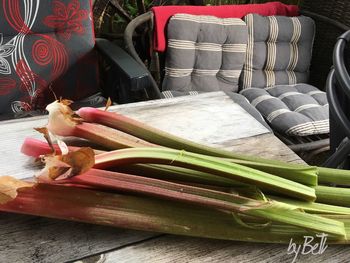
[211, 118]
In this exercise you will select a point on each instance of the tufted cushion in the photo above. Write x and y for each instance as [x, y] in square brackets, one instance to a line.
[45, 44]
[205, 53]
[279, 50]
[163, 13]
[299, 109]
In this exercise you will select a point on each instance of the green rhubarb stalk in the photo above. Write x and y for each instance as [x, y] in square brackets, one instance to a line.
[208, 164]
[36, 148]
[107, 137]
[62, 123]
[117, 121]
[154, 135]
[333, 195]
[274, 211]
[175, 173]
[109, 180]
[157, 136]
[150, 214]
[314, 208]
[307, 175]
[333, 176]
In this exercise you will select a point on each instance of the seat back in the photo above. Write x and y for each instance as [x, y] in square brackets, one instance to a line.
[279, 50]
[205, 53]
[46, 47]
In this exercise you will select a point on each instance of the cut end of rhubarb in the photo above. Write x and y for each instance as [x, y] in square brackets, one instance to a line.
[34, 148]
[87, 113]
[9, 187]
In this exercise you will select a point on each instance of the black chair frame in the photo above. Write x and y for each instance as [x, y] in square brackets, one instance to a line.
[338, 94]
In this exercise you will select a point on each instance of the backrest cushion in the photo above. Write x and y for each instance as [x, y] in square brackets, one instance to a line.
[42, 44]
[205, 53]
[279, 50]
[163, 13]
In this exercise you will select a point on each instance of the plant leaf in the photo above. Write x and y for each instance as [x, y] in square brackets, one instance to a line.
[64, 166]
[44, 131]
[108, 103]
[9, 187]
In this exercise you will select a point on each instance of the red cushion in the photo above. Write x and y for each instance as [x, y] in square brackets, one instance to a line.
[162, 15]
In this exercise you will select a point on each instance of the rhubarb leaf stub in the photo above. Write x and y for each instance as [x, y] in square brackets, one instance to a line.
[108, 104]
[9, 187]
[61, 119]
[61, 167]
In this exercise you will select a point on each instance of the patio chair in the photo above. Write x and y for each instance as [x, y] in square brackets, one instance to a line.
[338, 93]
[311, 144]
[48, 50]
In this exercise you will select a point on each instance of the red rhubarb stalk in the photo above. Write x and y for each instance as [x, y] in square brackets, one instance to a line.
[207, 164]
[63, 123]
[36, 148]
[148, 214]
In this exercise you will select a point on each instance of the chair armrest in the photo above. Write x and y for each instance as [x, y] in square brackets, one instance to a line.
[154, 91]
[129, 74]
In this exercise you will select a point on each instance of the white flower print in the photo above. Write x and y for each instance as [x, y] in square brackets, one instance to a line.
[5, 51]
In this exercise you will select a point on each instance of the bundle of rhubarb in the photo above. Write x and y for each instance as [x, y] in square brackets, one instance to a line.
[135, 176]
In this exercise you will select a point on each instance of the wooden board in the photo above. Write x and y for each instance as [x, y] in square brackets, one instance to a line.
[209, 118]
[32, 239]
[166, 249]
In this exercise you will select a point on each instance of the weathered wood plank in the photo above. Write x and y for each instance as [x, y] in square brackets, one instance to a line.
[209, 118]
[265, 145]
[169, 248]
[33, 239]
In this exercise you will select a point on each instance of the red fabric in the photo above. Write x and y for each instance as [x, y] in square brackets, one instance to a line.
[92, 22]
[162, 15]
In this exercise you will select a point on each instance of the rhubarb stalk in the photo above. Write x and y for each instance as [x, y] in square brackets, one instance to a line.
[90, 206]
[135, 212]
[63, 123]
[208, 164]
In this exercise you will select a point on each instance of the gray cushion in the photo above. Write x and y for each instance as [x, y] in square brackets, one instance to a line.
[168, 94]
[205, 53]
[299, 109]
[279, 50]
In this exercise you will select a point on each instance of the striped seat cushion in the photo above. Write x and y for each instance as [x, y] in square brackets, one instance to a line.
[279, 50]
[298, 110]
[205, 53]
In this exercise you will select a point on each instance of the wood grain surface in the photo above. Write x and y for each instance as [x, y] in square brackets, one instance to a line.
[171, 249]
[32, 239]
